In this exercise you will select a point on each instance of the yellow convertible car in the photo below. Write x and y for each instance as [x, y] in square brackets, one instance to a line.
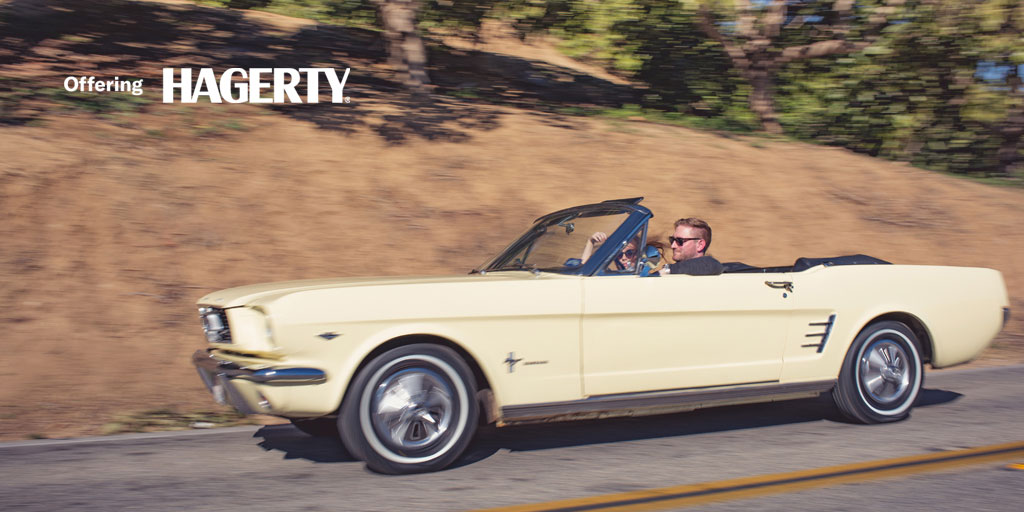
[404, 369]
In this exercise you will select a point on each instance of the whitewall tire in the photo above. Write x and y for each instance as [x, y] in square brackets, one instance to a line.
[882, 374]
[411, 409]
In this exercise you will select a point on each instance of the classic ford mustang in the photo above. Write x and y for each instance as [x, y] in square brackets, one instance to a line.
[552, 328]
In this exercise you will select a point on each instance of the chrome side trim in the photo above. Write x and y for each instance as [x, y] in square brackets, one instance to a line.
[662, 402]
[204, 361]
[293, 375]
[824, 335]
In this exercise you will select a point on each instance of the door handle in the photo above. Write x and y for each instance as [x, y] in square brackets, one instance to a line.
[786, 285]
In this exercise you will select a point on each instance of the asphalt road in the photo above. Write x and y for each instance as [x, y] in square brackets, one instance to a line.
[278, 468]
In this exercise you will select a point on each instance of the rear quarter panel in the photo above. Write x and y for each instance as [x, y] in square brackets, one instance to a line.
[960, 307]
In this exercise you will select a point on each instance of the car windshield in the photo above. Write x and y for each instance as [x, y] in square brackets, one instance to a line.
[558, 243]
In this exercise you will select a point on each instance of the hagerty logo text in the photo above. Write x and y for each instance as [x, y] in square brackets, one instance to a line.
[235, 85]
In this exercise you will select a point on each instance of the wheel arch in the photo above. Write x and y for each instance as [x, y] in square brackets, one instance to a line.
[485, 393]
[915, 324]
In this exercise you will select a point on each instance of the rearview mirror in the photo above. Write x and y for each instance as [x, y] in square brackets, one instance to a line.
[652, 255]
[651, 258]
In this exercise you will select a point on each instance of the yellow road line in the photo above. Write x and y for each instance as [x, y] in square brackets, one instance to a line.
[748, 487]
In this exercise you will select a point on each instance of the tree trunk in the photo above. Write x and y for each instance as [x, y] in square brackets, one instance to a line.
[1012, 133]
[754, 50]
[406, 51]
[1012, 128]
[762, 98]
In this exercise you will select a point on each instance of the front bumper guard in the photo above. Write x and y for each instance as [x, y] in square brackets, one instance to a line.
[217, 374]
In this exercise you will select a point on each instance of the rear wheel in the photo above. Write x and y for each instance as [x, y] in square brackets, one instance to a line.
[882, 374]
[411, 409]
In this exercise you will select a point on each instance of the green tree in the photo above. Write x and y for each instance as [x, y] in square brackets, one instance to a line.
[1002, 44]
[937, 89]
[657, 43]
[761, 37]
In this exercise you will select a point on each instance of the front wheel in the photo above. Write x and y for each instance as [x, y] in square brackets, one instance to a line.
[882, 374]
[411, 409]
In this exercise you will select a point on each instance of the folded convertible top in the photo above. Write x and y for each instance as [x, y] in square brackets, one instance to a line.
[802, 264]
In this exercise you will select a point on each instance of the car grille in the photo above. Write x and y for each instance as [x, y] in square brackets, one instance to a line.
[215, 325]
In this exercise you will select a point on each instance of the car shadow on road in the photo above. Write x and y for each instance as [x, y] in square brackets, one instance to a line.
[489, 440]
[298, 445]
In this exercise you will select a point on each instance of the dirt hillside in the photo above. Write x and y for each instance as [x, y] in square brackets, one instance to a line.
[114, 223]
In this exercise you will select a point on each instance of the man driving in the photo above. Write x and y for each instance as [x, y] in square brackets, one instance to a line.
[690, 243]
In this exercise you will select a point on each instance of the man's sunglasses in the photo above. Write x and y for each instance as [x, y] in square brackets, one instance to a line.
[679, 241]
[629, 253]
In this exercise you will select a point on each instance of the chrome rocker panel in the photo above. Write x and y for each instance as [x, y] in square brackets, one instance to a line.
[643, 404]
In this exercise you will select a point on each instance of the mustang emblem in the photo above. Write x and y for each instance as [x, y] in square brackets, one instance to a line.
[329, 335]
[511, 361]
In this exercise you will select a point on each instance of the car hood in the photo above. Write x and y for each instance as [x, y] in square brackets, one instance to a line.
[243, 295]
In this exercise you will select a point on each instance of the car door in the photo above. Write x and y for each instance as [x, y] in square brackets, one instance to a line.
[824, 321]
[678, 331]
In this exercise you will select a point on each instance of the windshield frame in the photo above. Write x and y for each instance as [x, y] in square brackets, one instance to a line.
[637, 216]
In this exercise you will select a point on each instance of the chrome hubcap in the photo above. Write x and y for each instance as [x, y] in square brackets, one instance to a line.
[884, 371]
[412, 408]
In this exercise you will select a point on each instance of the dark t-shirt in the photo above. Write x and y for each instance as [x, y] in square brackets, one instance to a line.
[702, 266]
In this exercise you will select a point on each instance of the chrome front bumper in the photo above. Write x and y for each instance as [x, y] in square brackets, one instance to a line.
[218, 375]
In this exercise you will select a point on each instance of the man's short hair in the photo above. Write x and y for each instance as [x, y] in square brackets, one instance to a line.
[701, 226]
